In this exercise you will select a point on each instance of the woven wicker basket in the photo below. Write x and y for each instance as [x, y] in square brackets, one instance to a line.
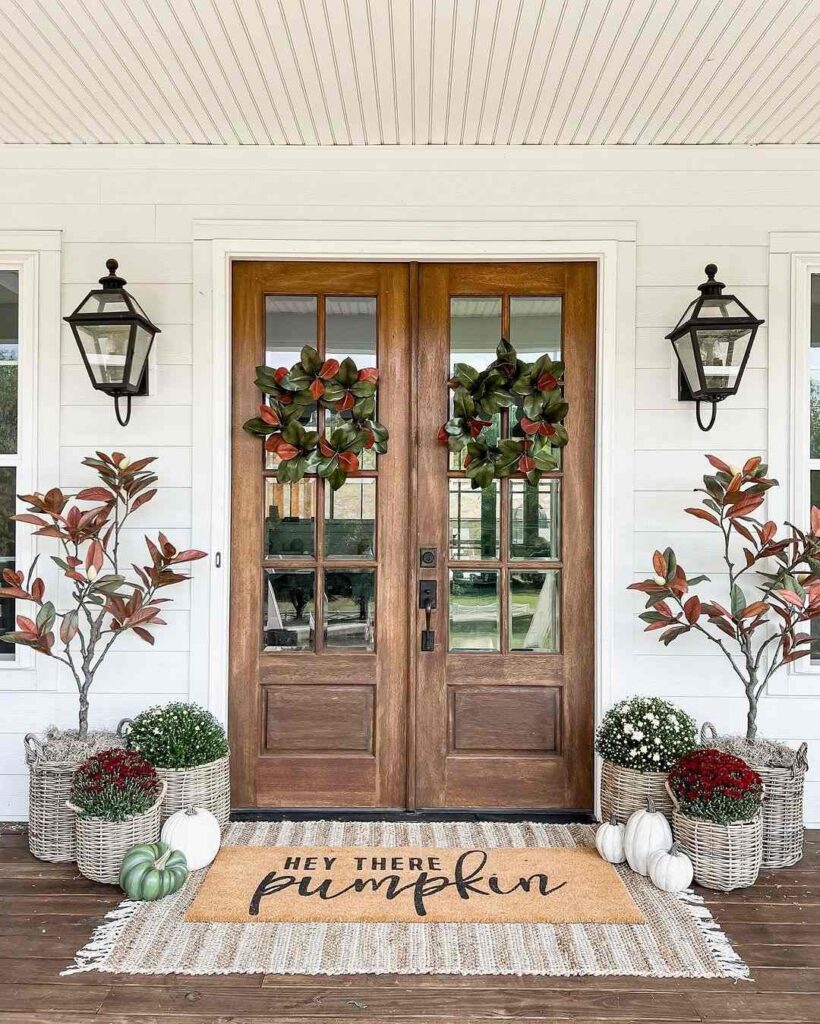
[724, 857]
[50, 822]
[624, 791]
[102, 845]
[783, 809]
[207, 785]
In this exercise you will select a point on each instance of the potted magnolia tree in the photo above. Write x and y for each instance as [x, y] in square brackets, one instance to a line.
[773, 583]
[107, 600]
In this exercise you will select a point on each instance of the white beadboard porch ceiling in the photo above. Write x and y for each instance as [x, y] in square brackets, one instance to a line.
[458, 72]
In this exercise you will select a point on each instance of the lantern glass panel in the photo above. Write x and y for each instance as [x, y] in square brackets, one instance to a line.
[106, 349]
[722, 352]
[142, 346]
[720, 306]
[684, 348]
[105, 302]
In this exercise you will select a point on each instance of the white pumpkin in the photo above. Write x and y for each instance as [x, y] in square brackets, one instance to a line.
[196, 833]
[609, 841]
[672, 871]
[646, 831]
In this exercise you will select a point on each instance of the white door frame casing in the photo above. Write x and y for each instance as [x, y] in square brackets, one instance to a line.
[218, 244]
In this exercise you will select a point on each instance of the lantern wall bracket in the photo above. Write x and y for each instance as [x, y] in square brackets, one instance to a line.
[685, 395]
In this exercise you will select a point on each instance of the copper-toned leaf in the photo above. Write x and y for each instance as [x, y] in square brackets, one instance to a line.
[790, 598]
[329, 369]
[349, 461]
[317, 389]
[659, 564]
[143, 634]
[95, 494]
[717, 463]
[815, 521]
[371, 375]
[143, 499]
[701, 513]
[750, 465]
[38, 589]
[692, 609]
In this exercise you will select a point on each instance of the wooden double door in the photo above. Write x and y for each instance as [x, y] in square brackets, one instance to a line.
[334, 703]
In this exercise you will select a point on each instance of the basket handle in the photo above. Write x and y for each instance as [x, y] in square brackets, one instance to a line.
[801, 762]
[124, 727]
[707, 733]
[34, 747]
[672, 794]
[163, 789]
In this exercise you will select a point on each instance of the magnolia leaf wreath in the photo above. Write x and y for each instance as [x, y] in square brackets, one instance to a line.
[294, 395]
[508, 382]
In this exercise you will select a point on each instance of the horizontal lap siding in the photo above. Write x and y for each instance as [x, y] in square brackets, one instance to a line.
[142, 209]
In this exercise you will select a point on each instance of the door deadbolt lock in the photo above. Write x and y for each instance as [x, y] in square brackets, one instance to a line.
[428, 558]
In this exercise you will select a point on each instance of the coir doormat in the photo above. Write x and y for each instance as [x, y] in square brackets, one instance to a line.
[545, 885]
[678, 939]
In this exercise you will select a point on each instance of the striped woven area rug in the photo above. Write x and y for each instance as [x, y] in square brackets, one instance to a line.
[678, 938]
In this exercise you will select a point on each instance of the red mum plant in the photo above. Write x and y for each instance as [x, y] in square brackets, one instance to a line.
[114, 785]
[108, 599]
[715, 786]
[773, 583]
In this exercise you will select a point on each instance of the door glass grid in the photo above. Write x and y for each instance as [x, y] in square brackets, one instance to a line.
[319, 545]
[504, 542]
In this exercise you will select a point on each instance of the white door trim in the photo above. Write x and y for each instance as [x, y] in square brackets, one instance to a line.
[217, 244]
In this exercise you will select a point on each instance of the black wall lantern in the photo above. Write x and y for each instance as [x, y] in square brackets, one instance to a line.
[712, 341]
[114, 337]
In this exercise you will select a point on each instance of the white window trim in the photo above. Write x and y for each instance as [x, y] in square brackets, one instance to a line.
[218, 244]
[793, 258]
[35, 255]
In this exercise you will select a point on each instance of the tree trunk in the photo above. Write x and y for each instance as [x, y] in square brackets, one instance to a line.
[751, 720]
[82, 732]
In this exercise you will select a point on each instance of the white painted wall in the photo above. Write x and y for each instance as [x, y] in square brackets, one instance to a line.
[691, 206]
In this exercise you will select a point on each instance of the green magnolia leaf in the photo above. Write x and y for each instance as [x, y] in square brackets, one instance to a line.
[45, 617]
[348, 372]
[465, 375]
[296, 380]
[364, 409]
[456, 426]
[333, 393]
[337, 478]
[258, 427]
[738, 600]
[363, 389]
[463, 403]
[533, 404]
[310, 360]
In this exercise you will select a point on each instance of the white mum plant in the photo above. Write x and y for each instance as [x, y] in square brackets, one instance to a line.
[646, 733]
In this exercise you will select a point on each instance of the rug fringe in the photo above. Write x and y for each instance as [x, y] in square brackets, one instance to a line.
[105, 936]
[714, 936]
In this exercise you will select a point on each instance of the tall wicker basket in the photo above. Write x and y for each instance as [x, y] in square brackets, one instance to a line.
[102, 845]
[783, 808]
[50, 821]
[724, 857]
[624, 791]
[206, 785]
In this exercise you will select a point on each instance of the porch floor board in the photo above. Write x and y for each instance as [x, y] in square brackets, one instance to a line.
[47, 911]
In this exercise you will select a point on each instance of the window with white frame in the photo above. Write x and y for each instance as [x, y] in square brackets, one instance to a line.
[9, 384]
[813, 299]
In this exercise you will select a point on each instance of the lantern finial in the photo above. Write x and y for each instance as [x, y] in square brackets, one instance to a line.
[711, 286]
[112, 280]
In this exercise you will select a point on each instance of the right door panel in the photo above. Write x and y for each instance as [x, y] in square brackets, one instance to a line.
[504, 703]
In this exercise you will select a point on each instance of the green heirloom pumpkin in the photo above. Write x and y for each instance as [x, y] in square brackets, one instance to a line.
[151, 871]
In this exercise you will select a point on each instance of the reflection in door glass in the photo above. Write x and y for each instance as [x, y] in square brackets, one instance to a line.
[535, 326]
[350, 609]
[535, 519]
[350, 519]
[287, 610]
[290, 323]
[475, 331]
[474, 521]
[350, 330]
[535, 611]
[474, 610]
[290, 518]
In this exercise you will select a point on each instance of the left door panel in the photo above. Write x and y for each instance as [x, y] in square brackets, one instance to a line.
[319, 593]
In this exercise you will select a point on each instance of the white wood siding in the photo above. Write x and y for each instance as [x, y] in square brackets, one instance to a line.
[139, 204]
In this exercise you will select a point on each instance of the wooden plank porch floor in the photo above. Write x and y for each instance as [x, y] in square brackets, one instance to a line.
[48, 911]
